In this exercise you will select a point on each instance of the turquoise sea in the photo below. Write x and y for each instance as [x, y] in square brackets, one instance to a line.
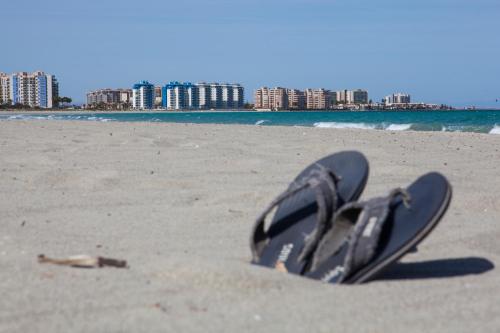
[480, 121]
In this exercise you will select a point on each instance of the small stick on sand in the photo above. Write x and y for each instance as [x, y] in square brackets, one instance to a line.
[84, 261]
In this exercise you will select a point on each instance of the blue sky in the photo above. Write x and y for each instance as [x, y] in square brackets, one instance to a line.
[441, 51]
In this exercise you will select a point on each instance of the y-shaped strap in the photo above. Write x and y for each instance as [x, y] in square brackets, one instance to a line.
[326, 199]
[365, 237]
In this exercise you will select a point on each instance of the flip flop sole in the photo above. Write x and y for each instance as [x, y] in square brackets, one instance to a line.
[402, 237]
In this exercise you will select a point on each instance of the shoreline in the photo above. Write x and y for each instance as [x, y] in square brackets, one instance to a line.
[407, 122]
[10, 111]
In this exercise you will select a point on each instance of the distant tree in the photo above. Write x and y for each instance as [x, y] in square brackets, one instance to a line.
[66, 100]
[61, 100]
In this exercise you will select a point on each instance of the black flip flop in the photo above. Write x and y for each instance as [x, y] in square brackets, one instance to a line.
[366, 237]
[304, 210]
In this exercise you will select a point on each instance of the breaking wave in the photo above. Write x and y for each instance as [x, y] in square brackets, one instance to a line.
[344, 125]
[380, 126]
[56, 117]
[495, 130]
[398, 127]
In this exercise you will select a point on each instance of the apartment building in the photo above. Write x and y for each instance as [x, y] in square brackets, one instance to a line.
[397, 98]
[143, 95]
[296, 99]
[360, 96]
[180, 96]
[238, 96]
[202, 96]
[261, 98]
[318, 99]
[4, 88]
[271, 98]
[204, 100]
[215, 96]
[36, 89]
[109, 98]
[357, 96]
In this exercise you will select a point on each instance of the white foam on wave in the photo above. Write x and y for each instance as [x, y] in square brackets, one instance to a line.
[260, 122]
[398, 127]
[495, 130]
[27, 117]
[56, 117]
[344, 125]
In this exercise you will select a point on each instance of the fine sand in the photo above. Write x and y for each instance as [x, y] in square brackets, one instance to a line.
[178, 201]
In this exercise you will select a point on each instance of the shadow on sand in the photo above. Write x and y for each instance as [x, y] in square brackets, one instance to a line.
[441, 268]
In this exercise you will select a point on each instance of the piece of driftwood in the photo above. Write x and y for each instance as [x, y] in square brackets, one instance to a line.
[84, 261]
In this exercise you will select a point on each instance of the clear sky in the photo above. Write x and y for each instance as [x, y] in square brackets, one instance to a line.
[441, 51]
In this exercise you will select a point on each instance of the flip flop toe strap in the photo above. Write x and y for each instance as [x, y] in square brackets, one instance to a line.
[323, 182]
[365, 237]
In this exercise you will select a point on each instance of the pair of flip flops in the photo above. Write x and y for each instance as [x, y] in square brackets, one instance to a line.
[320, 230]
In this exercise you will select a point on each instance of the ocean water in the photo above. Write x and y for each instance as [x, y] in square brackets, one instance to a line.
[479, 121]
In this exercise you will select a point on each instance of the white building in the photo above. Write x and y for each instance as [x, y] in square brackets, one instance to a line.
[357, 96]
[397, 98]
[36, 89]
[4, 88]
[180, 96]
[215, 96]
[204, 94]
[238, 96]
[226, 96]
[143, 95]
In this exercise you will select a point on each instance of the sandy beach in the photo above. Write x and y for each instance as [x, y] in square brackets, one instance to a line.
[178, 201]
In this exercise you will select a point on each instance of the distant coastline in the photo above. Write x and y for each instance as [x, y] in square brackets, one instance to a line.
[82, 110]
[475, 121]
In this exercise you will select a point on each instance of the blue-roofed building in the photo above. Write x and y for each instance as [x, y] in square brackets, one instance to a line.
[180, 96]
[143, 96]
[202, 96]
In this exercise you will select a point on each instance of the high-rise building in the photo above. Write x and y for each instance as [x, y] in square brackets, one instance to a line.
[238, 96]
[180, 96]
[143, 95]
[261, 98]
[226, 96]
[296, 99]
[397, 98]
[343, 97]
[192, 98]
[202, 96]
[36, 89]
[173, 96]
[278, 98]
[109, 98]
[333, 98]
[318, 99]
[215, 96]
[358, 96]
[271, 98]
[4, 89]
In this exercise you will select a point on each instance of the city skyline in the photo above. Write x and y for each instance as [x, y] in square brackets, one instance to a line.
[442, 51]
